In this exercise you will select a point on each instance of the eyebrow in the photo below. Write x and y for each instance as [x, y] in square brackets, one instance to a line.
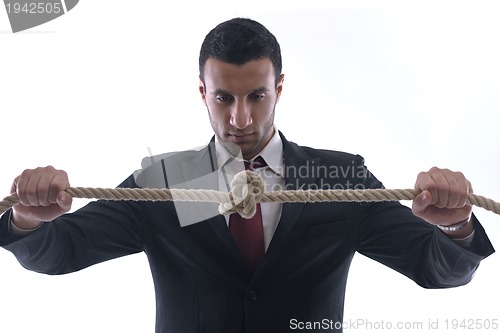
[222, 91]
[261, 90]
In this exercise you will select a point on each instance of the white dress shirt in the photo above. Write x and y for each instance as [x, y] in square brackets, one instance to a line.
[272, 174]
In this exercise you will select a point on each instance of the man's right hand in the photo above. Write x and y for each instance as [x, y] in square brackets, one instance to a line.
[42, 197]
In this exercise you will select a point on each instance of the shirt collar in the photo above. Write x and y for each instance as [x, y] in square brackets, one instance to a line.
[272, 153]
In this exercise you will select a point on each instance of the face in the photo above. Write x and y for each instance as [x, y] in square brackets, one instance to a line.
[241, 100]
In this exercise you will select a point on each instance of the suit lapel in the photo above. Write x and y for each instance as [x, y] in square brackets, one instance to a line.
[299, 168]
[200, 167]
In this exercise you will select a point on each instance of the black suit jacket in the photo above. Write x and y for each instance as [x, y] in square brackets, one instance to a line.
[200, 279]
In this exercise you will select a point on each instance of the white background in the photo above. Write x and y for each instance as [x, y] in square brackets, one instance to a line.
[406, 84]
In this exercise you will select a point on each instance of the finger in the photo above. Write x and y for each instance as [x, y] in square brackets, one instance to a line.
[58, 183]
[442, 189]
[458, 188]
[32, 189]
[13, 187]
[22, 186]
[455, 192]
[43, 189]
[464, 189]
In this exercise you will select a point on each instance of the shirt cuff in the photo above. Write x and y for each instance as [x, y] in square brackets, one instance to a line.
[19, 231]
[466, 241]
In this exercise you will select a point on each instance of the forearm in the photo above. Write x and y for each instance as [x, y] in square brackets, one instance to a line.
[411, 246]
[449, 265]
[95, 233]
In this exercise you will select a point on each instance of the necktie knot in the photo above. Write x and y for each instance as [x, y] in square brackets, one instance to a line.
[256, 163]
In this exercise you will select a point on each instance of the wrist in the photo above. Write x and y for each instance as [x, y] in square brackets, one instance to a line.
[21, 225]
[456, 226]
[459, 230]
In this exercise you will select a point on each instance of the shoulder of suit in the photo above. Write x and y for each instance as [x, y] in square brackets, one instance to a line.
[328, 156]
[179, 156]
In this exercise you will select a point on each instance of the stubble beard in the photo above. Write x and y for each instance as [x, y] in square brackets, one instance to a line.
[251, 151]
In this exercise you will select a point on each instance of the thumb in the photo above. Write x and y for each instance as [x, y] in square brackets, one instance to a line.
[421, 202]
[64, 201]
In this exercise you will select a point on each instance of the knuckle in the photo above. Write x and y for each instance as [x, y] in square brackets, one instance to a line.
[44, 170]
[54, 188]
[31, 195]
[26, 173]
[421, 174]
[63, 174]
[431, 186]
[441, 205]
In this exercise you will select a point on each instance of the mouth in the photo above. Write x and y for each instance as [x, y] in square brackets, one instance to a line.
[239, 137]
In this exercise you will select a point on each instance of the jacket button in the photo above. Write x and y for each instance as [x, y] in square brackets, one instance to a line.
[252, 295]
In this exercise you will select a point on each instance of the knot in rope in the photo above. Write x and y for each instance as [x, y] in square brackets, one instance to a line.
[247, 189]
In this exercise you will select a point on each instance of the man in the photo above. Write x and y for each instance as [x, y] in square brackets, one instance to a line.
[286, 267]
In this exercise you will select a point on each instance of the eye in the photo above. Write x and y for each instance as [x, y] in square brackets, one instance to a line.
[224, 98]
[257, 97]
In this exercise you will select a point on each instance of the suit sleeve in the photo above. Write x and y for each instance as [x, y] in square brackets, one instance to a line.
[390, 234]
[100, 231]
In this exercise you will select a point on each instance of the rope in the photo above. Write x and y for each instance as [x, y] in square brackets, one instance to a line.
[247, 189]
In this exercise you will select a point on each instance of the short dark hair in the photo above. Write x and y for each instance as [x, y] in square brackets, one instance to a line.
[239, 41]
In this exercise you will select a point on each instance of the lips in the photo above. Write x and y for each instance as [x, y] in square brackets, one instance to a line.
[239, 137]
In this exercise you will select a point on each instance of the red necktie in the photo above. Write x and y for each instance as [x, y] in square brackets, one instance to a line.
[249, 233]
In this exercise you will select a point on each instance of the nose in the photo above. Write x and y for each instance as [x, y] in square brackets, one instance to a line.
[241, 116]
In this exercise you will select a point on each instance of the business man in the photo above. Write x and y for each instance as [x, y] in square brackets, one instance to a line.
[282, 269]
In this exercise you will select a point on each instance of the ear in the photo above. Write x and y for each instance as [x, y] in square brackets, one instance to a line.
[279, 86]
[201, 88]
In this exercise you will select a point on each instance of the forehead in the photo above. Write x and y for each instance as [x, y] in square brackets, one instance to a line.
[223, 75]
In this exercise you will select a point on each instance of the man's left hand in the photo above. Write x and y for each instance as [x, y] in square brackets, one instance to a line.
[443, 197]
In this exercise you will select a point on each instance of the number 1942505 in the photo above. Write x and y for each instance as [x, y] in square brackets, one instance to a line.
[34, 8]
